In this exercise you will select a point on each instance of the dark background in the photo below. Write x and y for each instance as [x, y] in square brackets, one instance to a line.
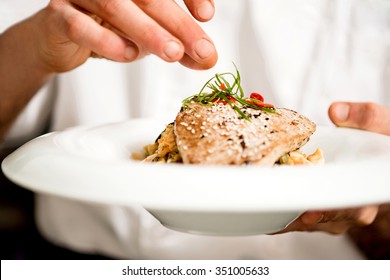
[19, 237]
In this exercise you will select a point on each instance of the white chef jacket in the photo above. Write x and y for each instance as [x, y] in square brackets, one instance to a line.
[300, 54]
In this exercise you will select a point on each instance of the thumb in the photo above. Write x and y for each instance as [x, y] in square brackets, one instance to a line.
[367, 116]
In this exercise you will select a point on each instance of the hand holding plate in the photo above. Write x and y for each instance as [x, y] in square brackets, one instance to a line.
[365, 116]
[334, 221]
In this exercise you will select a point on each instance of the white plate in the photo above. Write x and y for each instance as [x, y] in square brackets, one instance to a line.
[94, 164]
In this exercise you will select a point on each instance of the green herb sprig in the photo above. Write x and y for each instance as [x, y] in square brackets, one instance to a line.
[226, 92]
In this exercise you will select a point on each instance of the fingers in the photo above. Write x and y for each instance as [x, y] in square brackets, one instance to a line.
[158, 27]
[367, 116]
[361, 216]
[202, 10]
[138, 27]
[334, 221]
[86, 32]
[198, 47]
[188, 62]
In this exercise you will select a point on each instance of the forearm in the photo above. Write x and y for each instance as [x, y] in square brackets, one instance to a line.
[21, 71]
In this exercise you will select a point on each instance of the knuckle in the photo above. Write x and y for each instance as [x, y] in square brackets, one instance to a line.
[74, 26]
[182, 26]
[151, 37]
[109, 8]
[371, 115]
[55, 7]
[55, 4]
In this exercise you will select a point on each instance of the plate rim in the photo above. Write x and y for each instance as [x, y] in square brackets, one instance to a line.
[151, 203]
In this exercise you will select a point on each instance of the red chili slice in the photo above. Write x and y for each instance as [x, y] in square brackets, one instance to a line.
[255, 95]
[268, 105]
[231, 98]
[221, 101]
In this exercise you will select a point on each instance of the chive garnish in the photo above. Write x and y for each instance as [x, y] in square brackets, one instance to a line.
[228, 93]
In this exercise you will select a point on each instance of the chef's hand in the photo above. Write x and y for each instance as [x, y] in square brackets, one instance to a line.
[70, 31]
[366, 116]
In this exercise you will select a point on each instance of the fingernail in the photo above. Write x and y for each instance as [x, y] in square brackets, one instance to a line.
[204, 48]
[341, 112]
[206, 11]
[131, 53]
[172, 49]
